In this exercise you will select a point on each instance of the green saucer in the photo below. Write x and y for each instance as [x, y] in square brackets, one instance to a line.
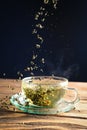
[61, 107]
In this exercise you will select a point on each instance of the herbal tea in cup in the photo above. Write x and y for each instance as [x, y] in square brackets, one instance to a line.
[45, 90]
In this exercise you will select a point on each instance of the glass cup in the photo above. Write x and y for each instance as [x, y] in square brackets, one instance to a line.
[47, 91]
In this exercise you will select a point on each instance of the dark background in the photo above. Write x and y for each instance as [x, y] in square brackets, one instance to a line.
[65, 38]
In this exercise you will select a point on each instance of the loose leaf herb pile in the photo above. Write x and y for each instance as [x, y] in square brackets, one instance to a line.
[42, 96]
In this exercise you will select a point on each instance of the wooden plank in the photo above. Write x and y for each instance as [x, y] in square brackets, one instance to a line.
[11, 118]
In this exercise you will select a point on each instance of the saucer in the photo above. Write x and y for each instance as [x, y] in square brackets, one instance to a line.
[26, 105]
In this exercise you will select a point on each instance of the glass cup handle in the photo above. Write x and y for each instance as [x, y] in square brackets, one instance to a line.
[76, 98]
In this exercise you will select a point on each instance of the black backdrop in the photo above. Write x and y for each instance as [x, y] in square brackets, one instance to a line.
[65, 38]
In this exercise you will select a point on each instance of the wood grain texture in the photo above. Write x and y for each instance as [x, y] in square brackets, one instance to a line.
[13, 119]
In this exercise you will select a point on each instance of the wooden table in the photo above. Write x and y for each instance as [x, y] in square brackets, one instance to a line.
[11, 118]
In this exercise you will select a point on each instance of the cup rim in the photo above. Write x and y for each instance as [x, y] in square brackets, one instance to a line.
[65, 80]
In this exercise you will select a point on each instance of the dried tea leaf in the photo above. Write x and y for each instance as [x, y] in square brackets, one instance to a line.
[39, 26]
[37, 46]
[34, 31]
[31, 73]
[31, 68]
[32, 63]
[46, 1]
[34, 57]
[28, 68]
[41, 8]
[36, 17]
[43, 19]
[42, 60]
[40, 38]
[41, 70]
